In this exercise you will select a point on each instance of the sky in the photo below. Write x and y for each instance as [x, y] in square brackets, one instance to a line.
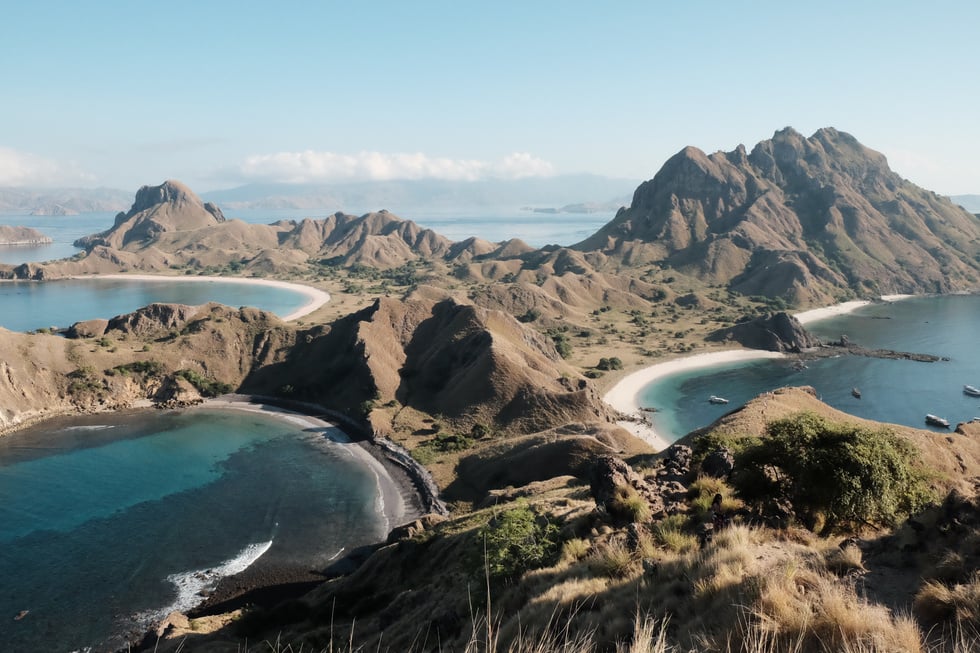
[219, 94]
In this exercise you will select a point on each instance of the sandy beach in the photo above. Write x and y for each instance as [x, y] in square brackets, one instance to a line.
[624, 395]
[315, 297]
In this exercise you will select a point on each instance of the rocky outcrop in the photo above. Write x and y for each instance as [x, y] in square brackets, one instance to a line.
[774, 332]
[807, 219]
[171, 206]
[22, 236]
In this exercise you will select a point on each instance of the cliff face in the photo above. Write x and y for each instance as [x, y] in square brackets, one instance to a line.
[803, 218]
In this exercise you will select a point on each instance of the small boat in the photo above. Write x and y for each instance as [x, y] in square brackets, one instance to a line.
[856, 393]
[973, 391]
[932, 420]
[717, 400]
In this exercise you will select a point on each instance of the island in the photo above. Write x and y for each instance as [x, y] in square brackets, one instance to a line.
[22, 236]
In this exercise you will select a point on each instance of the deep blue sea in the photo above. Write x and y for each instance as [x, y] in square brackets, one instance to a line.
[108, 523]
[896, 391]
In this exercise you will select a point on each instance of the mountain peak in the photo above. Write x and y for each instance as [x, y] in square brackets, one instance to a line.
[810, 219]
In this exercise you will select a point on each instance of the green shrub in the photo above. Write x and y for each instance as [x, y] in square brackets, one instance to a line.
[613, 363]
[515, 541]
[207, 387]
[627, 505]
[530, 315]
[848, 474]
[148, 368]
[429, 451]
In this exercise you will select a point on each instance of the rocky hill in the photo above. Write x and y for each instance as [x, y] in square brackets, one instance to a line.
[807, 219]
[21, 236]
[169, 207]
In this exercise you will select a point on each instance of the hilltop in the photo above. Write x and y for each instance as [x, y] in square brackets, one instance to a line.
[807, 219]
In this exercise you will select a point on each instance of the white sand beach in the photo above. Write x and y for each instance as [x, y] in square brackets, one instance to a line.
[842, 309]
[624, 396]
[315, 297]
[829, 311]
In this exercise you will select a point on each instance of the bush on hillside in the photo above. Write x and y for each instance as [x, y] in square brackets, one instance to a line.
[515, 541]
[207, 387]
[846, 474]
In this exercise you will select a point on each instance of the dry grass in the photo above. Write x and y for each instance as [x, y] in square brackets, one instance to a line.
[703, 491]
[614, 560]
[937, 602]
[669, 533]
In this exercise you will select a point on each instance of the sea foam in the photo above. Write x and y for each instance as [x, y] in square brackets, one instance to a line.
[192, 586]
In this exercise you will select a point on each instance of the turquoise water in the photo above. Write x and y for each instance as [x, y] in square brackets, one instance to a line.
[28, 305]
[895, 391]
[109, 522]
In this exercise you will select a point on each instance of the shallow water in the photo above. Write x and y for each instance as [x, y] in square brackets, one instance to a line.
[109, 522]
[895, 391]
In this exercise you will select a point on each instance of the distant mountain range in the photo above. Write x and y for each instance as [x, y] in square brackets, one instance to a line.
[409, 195]
[572, 193]
[63, 201]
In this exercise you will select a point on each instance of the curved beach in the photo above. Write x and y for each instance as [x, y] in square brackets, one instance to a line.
[624, 396]
[264, 583]
[315, 297]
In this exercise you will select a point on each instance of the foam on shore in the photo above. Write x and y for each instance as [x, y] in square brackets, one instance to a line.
[193, 586]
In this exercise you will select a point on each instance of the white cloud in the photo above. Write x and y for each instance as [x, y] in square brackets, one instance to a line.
[311, 166]
[25, 169]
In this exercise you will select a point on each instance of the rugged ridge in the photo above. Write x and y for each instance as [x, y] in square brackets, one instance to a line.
[808, 219]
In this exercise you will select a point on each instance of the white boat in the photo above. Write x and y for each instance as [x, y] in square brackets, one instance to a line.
[973, 391]
[933, 420]
[717, 400]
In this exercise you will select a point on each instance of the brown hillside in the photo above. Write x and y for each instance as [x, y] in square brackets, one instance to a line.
[171, 206]
[461, 361]
[803, 218]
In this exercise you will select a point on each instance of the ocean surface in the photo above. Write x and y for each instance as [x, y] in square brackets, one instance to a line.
[895, 391]
[108, 523]
[537, 229]
[29, 305]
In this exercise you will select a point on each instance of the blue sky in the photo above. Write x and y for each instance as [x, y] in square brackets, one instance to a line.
[217, 94]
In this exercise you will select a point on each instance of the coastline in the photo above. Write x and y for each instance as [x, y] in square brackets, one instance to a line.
[314, 296]
[624, 395]
[398, 502]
